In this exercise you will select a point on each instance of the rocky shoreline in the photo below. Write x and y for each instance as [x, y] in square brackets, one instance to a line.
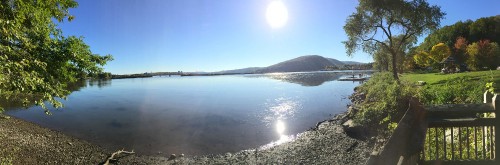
[23, 142]
[334, 141]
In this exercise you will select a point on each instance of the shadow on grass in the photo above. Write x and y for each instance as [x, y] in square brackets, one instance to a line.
[454, 80]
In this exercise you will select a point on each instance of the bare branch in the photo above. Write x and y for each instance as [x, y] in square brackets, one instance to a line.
[112, 157]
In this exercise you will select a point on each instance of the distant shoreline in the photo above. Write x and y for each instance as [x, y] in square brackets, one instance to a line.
[147, 75]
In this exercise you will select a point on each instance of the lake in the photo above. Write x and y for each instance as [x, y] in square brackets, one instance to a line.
[196, 115]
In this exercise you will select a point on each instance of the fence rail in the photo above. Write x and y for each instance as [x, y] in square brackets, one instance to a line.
[445, 134]
[459, 143]
[406, 142]
[462, 133]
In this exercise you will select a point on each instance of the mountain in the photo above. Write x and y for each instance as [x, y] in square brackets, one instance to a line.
[335, 62]
[299, 64]
[244, 70]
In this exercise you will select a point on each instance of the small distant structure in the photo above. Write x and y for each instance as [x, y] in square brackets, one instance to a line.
[448, 60]
[449, 65]
[354, 78]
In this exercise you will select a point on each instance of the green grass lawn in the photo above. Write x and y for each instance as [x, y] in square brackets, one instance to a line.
[458, 88]
[438, 78]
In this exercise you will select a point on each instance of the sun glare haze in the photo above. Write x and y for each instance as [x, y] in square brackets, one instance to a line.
[277, 14]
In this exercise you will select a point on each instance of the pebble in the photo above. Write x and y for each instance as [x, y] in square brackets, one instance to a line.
[172, 157]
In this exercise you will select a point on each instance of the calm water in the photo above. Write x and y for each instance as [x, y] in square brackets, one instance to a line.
[196, 115]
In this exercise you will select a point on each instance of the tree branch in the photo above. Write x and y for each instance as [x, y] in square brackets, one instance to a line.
[372, 39]
[382, 27]
[405, 37]
[112, 157]
[389, 26]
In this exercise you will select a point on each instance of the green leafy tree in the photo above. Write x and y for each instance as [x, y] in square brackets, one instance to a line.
[382, 56]
[473, 31]
[390, 103]
[36, 61]
[381, 60]
[447, 35]
[409, 63]
[473, 58]
[404, 58]
[483, 55]
[375, 20]
[487, 28]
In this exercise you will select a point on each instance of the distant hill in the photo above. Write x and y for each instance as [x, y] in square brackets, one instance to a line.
[299, 64]
[335, 62]
[244, 70]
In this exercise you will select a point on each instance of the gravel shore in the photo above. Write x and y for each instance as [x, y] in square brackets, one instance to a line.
[326, 144]
[23, 142]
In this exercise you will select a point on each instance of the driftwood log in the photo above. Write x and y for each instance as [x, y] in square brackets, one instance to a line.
[115, 154]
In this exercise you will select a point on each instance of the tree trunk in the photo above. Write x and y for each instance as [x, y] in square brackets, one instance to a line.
[394, 65]
[386, 65]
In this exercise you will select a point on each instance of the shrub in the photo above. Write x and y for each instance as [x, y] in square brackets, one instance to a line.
[386, 100]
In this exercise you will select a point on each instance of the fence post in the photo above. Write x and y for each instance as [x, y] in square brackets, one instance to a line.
[487, 97]
[496, 104]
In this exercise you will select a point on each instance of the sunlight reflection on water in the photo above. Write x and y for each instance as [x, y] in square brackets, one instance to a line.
[280, 129]
[277, 111]
[280, 109]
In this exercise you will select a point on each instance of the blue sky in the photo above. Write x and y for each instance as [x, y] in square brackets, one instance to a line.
[203, 35]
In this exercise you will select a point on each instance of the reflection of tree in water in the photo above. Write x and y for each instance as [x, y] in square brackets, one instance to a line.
[100, 82]
[76, 86]
[14, 102]
[11, 103]
[305, 79]
[308, 79]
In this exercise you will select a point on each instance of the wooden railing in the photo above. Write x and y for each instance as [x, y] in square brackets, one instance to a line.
[406, 142]
[444, 134]
[462, 134]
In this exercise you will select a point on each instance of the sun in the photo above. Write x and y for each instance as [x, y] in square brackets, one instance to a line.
[276, 14]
